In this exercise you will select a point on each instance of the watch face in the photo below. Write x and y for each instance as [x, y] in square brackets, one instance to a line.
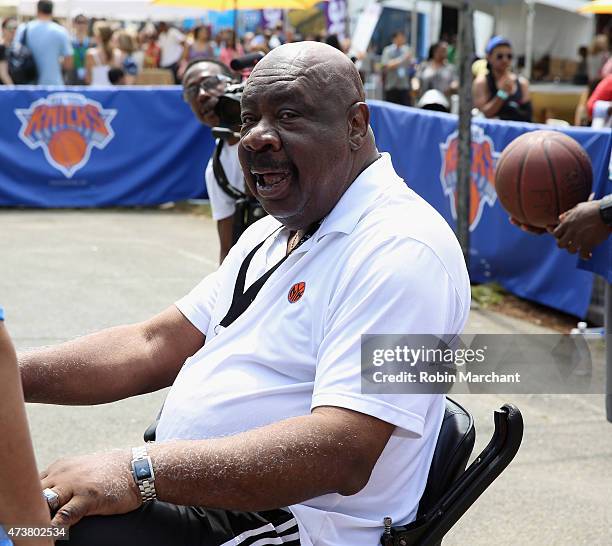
[142, 470]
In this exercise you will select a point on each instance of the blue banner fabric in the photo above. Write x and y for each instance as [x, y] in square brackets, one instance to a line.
[423, 146]
[88, 147]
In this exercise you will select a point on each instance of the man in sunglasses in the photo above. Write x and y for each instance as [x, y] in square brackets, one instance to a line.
[501, 93]
[204, 81]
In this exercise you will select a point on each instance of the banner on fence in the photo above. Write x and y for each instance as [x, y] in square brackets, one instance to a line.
[80, 147]
[423, 146]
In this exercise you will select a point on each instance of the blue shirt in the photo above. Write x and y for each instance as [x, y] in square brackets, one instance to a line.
[48, 41]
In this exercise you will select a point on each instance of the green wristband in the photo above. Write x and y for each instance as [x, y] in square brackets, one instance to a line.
[502, 95]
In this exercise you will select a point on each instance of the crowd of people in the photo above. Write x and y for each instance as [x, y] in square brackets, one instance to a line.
[99, 52]
[84, 51]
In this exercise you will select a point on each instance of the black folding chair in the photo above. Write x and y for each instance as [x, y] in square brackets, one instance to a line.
[450, 489]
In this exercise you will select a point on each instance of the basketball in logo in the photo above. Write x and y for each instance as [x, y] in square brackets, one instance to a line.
[296, 292]
[482, 183]
[67, 147]
[66, 126]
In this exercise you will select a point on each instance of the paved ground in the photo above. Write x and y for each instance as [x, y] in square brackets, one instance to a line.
[66, 273]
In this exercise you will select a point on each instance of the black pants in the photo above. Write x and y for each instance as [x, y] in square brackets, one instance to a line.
[163, 524]
[398, 96]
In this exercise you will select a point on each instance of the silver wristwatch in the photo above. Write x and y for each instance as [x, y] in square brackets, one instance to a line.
[142, 470]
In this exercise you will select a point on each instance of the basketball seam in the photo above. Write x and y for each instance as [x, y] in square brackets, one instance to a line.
[519, 186]
[554, 178]
[578, 160]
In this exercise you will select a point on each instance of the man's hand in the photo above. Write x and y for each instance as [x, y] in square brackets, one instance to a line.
[97, 484]
[581, 229]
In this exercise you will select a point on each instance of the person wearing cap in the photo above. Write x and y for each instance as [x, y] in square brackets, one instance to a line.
[501, 93]
[9, 26]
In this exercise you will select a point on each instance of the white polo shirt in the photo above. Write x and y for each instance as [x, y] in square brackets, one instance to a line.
[221, 204]
[382, 262]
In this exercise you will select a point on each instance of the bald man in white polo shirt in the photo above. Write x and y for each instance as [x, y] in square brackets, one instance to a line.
[266, 437]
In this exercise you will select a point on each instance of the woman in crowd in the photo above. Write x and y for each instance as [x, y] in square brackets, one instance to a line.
[103, 57]
[9, 26]
[128, 62]
[501, 93]
[437, 73]
[21, 500]
[150, 48]
[200, 46]
[231, 48]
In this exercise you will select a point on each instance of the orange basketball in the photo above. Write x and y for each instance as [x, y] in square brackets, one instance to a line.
[67, 147]
[542, 174]
[296, 292]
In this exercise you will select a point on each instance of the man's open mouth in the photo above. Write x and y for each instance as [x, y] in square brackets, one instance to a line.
[272, 184]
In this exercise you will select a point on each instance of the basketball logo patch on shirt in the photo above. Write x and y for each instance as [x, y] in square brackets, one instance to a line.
[296, 292]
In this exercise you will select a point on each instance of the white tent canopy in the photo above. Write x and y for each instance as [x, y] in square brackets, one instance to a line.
[112, 9]
[557, 31]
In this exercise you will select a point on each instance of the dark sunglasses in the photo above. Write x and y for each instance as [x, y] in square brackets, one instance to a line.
[206, 84]
[500, 56]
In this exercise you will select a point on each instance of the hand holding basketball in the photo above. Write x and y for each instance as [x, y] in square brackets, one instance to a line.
[581, 229]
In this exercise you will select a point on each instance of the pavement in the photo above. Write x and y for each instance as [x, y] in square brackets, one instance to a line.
[68, 273]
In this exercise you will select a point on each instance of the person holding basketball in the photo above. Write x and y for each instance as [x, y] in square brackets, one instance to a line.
[581, 228]
[265, 436]
[501, 93]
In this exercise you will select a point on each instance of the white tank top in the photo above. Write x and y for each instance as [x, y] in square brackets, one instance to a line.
[99, 72]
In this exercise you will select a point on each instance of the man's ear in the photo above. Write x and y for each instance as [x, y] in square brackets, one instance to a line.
[359, 123]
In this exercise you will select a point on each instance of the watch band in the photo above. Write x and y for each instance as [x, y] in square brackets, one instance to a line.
[605, 209]
[146, 485]
[503, 95]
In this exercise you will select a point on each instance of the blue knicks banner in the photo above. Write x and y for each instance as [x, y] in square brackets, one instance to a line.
[82, 147]
[423, 146]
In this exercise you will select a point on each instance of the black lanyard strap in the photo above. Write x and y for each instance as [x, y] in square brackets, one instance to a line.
[241, 299]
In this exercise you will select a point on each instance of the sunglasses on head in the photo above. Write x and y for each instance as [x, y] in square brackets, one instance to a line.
[501, 56]
[206, 84]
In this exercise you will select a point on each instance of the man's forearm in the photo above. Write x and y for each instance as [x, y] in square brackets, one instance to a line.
[102, 367]
[271, 467]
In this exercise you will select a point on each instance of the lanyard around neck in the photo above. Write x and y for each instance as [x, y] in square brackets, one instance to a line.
[241, 299]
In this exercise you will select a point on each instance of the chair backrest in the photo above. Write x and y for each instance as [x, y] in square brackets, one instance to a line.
[453, 449]
[433, 523]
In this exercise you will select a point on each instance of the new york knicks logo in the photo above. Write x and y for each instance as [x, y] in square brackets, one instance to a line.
[484, 160]
[296, 292]
[66, 126]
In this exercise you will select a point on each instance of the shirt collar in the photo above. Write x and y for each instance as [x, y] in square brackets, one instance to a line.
[360, 195]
